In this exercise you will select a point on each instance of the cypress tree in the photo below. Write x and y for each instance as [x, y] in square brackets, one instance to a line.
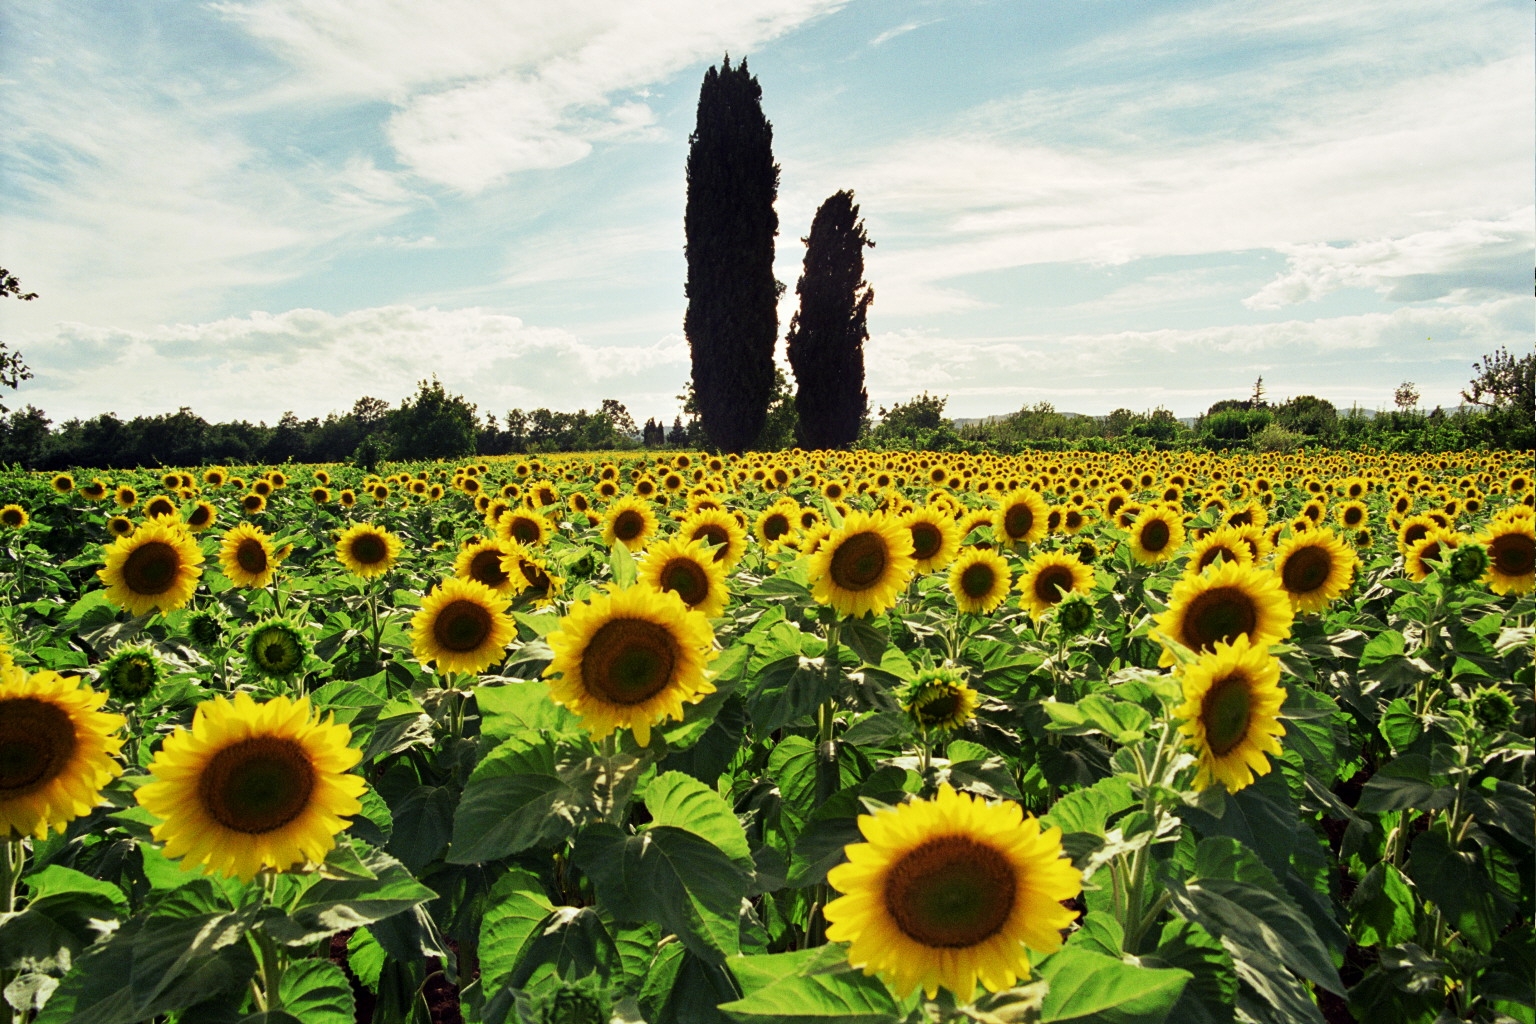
[827, 335]
[732, 321]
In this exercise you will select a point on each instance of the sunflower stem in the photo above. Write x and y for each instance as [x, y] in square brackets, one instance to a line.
[271, 958]
[13, 855]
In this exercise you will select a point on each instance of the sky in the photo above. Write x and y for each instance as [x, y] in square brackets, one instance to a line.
[257, 206]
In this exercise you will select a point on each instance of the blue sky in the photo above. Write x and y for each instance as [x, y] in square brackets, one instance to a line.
[254, 206]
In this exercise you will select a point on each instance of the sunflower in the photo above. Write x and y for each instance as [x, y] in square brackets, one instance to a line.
[689, 570]
[57, 749]
[463, 626]
[1353, 515]
[862, 567]
[367, 550]
[1156, 534]
[96, 490]
[939, 701]
[125, 496]
[529, 529]
[131, 673]
[979, 580]
[1051, 576]
[201, 517]
[14, 517]
[1228, 544]
[1020, 517]
[1413, 530]
[629, 521]
[776, 524]
[161, 506]
[1231, 713]
[630, 658]
[1422, 555]
[246, 556]
[481, 561]
[1222, 603]
[276, 648]
[62, 483]
[154, 568]
[539, 583]
[948, 892]
[120, 526]
[253, 786]
[1511, 545]
[253, 503]
[1314, 568]
[935, 538]
[719, 529]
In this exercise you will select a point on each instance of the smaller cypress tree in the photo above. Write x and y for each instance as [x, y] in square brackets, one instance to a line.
[826, 337]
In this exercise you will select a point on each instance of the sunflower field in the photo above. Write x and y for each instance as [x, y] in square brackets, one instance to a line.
[783, 737]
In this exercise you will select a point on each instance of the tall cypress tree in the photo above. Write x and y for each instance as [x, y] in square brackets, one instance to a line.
[732, 321]
[827, 335]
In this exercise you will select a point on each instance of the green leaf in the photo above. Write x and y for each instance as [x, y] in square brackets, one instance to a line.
[1382, 908]
[786, 691]
[521, 707]
[334, 905]
[1456, 882]
[317, 992]
[623, 565]
[1399, 726]
[514, 908]
[1089, 810]
[423, 824]
[684, 802]
[1211, 994]
[526, 793]
[680, 988]
[1085, 984]
[674, 877]
[1383, 648]
[807, 986]
[573, 942]
[366, 958]
[1405, 783]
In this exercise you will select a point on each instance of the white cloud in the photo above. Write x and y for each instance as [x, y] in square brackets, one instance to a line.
[1465, 257]
[313, 362]
[484, 90]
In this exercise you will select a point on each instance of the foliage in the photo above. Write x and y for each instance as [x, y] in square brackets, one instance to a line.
[433, 425]
[12, 369]
[729, 223]
[826, 336]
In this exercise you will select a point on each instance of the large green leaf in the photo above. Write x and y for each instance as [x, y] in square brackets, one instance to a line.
[528, 792]
[521, 707]
[334, 905]
[59, 919]
[684, 802]
[572, 942]
[1455, 880]
[1382, 909]
[676, 878]
[1085, 985]
[513, 909]
[317, 992]
[805, 987]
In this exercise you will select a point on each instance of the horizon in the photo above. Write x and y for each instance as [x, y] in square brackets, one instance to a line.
[1098, 207]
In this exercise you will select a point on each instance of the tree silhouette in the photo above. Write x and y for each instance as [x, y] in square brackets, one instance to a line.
[729, 224]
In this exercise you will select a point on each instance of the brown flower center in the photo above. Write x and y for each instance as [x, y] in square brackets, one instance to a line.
[1513, 554]
[462, 626]
[859, 561]
[257, 785]
[687, 579]
[1306, 569]
[369, 549]
[628, 525]
[775, 526]
[1049, 579]
[1224, 713]
[1221, 613]
[37, 740]
[1155, 535]
[1018, 521]
[251, 556]
[926, 540]
[1215, 552]
[715, 535]
[485, 567]
[524, 530]
[151, 569]
[951, 892]
[629, 661]
[977, 580]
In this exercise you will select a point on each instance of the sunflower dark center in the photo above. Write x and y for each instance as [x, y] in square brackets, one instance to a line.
[1221, 613]
[687, 579]
[628, 661]
[251, 556]
[37, 740]
[1224, 713]
[714, 535]
[1215, 552]
[1049, 579]
[12, 516]
[977, 580]
[859, 562]
[257, 785]
[200, 515]
[1306, 569]
[152, 568]
[1415, 532]
[775, 526]
[1243, 518]
[461, 626]
[951, 892]
[1512, 554]
[1155, 535]
[628, 524]
[538, 579]
[485, 568]
[525, 530]
[1018, 521]
[939, 709]
[926, 540]
[369, 549]
[1354, 516]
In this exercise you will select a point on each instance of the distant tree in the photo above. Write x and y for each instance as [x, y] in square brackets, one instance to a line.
[781, 426]
[517, 430]
[623, 423]
[1119, 422]
[677, 435]
[1256, 400]
[370, 412]
[1503, 381]
[924, 412]
[12, 370]
[1308, 414]
[826, 337]
[433, 425]
[729, 225]
[1406, 396]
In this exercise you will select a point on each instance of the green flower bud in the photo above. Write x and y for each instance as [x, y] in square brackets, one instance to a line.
[276, 648]
[131, 673]
[204, 629]
[1468, 562]
[1493, 708]
[1075, 614]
